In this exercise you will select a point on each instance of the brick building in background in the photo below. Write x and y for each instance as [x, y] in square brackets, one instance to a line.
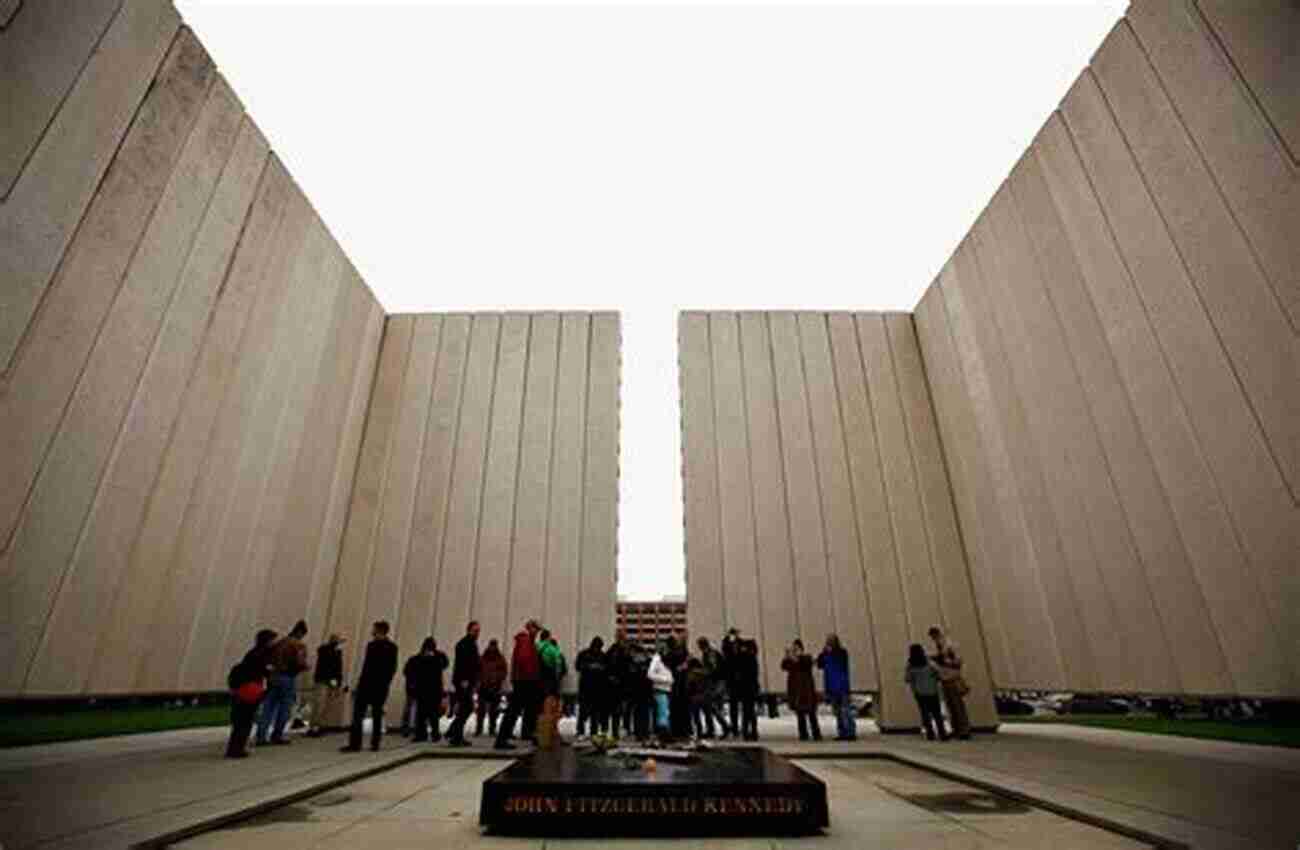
[648, 622]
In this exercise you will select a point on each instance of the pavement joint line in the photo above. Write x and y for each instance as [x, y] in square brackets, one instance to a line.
[1074, 813]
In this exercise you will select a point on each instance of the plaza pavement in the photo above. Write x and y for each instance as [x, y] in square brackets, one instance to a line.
[118, 792]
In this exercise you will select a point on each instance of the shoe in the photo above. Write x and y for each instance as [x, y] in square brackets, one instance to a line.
[419, 740]
[458, 742]
[281, 742]
[503, 745]
[349, 749]
[965, 737]
[242, 754]
[374, 748]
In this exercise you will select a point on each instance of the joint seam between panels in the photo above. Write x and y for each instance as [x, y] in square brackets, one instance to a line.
[1245, 238]
[1261, 432]
[717, 469]
[519, 454]
[471, 321]
[759, 626]
[1184, 416]
[816, 464]
[853, 498]
[956, 515]
[419, 457]
[1291, 157]
[785, 484]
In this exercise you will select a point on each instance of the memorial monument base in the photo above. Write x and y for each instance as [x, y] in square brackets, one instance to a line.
[726, 791]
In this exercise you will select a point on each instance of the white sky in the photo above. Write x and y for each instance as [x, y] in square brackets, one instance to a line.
[649, 159]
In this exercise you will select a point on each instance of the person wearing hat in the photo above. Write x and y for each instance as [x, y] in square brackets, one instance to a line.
[326, 697]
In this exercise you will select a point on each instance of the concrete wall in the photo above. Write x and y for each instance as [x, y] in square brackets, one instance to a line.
[1114, 357]
[817, 498]
[187, 358]
[487, 486]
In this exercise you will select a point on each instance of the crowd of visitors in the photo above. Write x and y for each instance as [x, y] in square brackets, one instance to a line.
[670, 693]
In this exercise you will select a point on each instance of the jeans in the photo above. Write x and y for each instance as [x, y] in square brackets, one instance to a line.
[281, 696]
[661, 711]
[808, 719]
[489, 703]
[463, 702]
[428, 712]
[846, 724]
[408, 713]
[931, 715]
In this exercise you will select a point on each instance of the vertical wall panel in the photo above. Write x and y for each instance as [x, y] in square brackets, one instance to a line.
[598, 588]
[1258, 178]
[1196, 658]
[779, 612]
[1227, 434]
[415, 619]
[43, 207]
[847, 588]
[822, 463]
[50, 529]
[968, 473]
[705, 576]
[497, 516]
[533, 499]
[734, 502]
[48, 365]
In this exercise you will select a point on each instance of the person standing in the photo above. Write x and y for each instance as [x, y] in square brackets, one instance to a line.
[424, 685]
[951, 682]
[833, 661]
[329, 684]
[288, 659]
[747, 686]
[593, 687]
[525, 689]
[492, 676]
[714, 688]
[618, 662]
[661, 681]
[679, 703]
[731, 674]
[922, 676]
[464, 679]
[378, 668]
[247, 683]
[410, 672]
[801, 689]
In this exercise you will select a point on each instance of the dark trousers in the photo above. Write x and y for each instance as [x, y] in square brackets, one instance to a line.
[362, 701]
[489, 705]
[931, 716]
[748, 717]
[242, 715]
[592, 708]
[428, 713]
[807, 721]
[463, 701]
[525, 702]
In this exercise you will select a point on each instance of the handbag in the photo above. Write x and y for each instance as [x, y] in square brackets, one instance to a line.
[250, 692]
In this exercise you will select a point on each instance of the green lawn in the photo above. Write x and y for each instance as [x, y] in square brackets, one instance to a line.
[21, 728]
[1241, 731]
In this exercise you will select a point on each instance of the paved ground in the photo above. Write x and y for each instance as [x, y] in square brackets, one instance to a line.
[115, 792]
[873, 804]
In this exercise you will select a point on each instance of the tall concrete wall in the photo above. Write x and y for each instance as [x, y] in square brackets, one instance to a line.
[1115, 364]
[187, 358]
[487, 486]
[817, 498]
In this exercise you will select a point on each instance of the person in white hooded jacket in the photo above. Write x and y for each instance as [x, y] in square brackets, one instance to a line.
[661, 679]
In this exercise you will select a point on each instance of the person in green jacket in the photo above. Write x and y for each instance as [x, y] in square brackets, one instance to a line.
[553, 670]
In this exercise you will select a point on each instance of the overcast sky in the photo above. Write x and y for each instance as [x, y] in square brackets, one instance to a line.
[649, 159]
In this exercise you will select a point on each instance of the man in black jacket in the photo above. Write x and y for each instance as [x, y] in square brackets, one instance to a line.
[329, 684]
[593, 688]
[424, 683]
[377, 671]
[464, 677]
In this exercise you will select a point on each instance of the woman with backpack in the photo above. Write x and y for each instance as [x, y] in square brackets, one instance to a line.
[247, 683]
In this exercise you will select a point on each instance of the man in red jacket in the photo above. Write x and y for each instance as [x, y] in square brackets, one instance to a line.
[526, 688]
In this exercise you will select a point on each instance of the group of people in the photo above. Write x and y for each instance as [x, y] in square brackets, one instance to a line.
[666, 694]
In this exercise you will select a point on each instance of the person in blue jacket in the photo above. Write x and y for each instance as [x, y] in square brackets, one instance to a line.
[834, 664]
